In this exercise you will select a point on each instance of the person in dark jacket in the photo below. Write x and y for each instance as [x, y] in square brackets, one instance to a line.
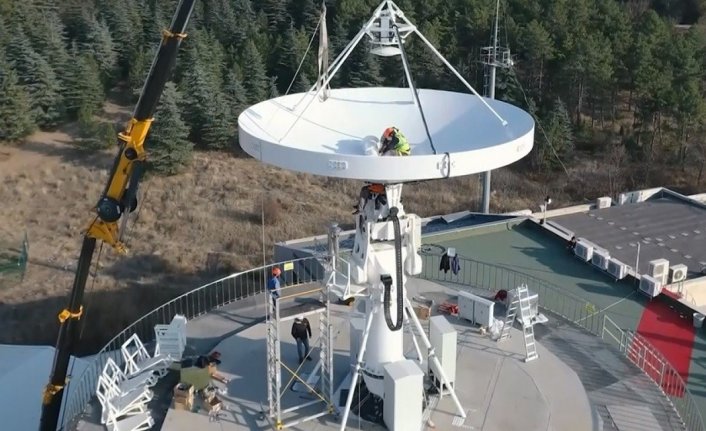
[301, 331]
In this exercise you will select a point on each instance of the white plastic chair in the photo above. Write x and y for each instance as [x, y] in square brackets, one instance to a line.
[171, 338]
[138, 360]
[114, 406]
[138, 422]
[124, 383]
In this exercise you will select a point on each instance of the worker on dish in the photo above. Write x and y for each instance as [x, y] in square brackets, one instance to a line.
[273, 285]
[374, 192]
[301, 331]
[394, 143]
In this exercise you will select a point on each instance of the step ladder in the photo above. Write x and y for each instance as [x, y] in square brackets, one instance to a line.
[521, 301]
[510, 317]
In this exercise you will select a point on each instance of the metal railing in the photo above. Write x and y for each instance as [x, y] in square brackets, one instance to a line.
[192, 304]
[493, 277]
[578, 311]
[15, 260]
[652, 362]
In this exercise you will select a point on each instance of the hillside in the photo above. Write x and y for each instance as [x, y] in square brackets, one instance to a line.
[617, 89]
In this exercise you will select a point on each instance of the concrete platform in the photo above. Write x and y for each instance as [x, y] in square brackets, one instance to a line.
[498, 390]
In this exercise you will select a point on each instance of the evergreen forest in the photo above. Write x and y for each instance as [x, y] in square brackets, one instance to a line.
[621, 82]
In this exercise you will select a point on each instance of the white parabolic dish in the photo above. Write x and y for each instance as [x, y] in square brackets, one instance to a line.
[334, 137]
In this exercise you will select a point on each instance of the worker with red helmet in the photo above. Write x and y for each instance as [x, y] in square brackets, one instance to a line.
[273, 284]
[394, 143]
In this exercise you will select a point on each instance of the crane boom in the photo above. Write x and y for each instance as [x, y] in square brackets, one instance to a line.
[119, 198]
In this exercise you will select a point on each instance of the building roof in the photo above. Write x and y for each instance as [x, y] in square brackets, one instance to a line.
[667, 226]
[23, 375]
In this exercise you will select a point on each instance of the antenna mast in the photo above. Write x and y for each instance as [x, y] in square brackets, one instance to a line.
[489, 57]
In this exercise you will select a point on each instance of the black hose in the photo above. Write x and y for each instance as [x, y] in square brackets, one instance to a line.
[388, 282]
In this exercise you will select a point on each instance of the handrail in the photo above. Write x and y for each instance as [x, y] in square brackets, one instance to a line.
[582, 313]
[192, 304]
[652, 362]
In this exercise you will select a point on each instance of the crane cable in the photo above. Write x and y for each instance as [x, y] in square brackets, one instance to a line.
[311, 41]
[536, 118]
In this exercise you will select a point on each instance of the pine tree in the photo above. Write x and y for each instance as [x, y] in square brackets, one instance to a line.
[123, 19]
[84, 91]
[245, 22]
[137, 73]
[38, 79]
[255, 78]
[276, 11]
[168, 146]
[45, 92]
[559, 134]
[100, 43]
[290, 56]
[273, 87]
[198, 91]
[363, 69]
[234, 93]
[15, 109]
[218, 131]
[237, 100]
[49, 41]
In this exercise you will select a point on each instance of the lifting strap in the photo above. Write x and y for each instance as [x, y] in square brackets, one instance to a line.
[323, 56]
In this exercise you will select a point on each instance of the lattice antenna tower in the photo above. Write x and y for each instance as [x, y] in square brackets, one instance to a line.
[494, 56]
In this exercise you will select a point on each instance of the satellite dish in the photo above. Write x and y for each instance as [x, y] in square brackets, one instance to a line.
[333, 138]
[451, 134]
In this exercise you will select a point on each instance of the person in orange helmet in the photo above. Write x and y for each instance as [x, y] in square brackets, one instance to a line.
[371, 191]
[273, 285]
[394, 143]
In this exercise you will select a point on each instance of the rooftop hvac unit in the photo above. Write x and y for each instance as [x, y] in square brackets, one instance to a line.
[650, 286]
[623, 198]
[583, 249]
[617, 269]
[659, 270]
[603, 202]
[600, 258]
[677, 273]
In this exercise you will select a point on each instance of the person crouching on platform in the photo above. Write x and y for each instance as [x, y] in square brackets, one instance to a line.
[392, 143]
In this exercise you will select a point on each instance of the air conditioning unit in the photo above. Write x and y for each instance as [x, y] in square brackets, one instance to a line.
[677, 273]
[603, 202]
[650, 286]
[600, 258]
[659, 270]
[583, 249]
[617, 269]
[623, 199]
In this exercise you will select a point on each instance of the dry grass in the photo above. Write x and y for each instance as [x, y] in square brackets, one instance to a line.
[191, 227]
